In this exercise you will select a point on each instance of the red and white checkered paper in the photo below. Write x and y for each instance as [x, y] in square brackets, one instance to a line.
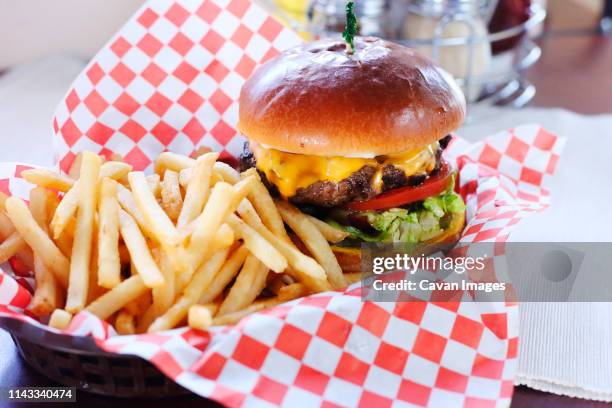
[169, 80]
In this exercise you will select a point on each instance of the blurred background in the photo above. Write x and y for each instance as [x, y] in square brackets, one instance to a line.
[511, 53]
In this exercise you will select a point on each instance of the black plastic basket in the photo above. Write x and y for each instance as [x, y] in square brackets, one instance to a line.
[77, 361]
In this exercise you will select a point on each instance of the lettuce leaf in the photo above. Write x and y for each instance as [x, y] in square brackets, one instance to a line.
[418, 224]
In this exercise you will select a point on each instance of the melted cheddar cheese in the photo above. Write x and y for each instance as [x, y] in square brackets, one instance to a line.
[290, 171]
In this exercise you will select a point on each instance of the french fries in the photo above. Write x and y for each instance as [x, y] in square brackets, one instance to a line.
[60, 319]
[83, 233]
[171, 198]
[124, 323]
[264, 204]
[199, 317]
[37, 239]
[172, 161]
[139, 251]
[314, 241]
[116, 298]
[163, 296]
[156, 219]
[199, 283]
[302, 266]
[225, 275]
[48, 179]
[197, 189]
[249, 284]
[47, 296]
[195, 243]
[224, 200]
[331, 234]
[109, 263]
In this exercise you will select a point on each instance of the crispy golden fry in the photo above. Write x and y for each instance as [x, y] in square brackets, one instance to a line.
[126, 200]
[156, 219]
[109, 263]
[172, 161]
[83, 233]
[264, 204]
[219, 205]
[258, 245]
[199, 283]
[48, 179]
[154, 182]
[12, 242]
[314, 241]
[250, 282]
[139, 305]
[291, 292]
[226, 173]
[11, 246]
[139, 251]
[68, 206]
[124, 323]
[199, 317]
[37, 239]
[163, 296]
[331, 234]
[60, 319]
[116, 298]
[303, 267]
[65, 211]
[184, 176]
[223, 238]
[171, 198]
[75, 168]
[115, 169]
[53, 201]
[200, 151]
[198, 189]
[116, 157]
[6, 226]
[225, 275]
[47, 296]
[66, 239]
[38, 206]
[94, 290]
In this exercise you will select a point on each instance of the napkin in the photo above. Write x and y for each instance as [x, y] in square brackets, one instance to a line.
[564, 347]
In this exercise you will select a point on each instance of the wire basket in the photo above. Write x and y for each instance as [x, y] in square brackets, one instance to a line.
[76, 361]
[504, 81]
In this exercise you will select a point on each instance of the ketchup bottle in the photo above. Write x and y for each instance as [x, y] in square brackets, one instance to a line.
[508, 14]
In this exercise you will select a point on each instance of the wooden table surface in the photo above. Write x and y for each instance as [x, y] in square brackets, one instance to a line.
[575, 72]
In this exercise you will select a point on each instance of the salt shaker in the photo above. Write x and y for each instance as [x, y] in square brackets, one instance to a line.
[435, 20]
[328, 17]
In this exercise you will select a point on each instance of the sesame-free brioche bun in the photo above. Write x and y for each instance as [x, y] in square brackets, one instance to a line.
[316, 99]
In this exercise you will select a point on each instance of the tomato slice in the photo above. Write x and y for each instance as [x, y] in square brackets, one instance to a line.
[434, 185]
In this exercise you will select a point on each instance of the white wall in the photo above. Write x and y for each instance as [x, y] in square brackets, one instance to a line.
[32, 29]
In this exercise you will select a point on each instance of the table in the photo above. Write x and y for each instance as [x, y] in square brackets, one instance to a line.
[574, 73]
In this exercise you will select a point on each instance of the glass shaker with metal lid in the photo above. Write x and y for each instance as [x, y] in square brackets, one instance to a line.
[327, 17]
[429, 22]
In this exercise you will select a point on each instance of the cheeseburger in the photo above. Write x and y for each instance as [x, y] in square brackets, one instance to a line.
[356, 139]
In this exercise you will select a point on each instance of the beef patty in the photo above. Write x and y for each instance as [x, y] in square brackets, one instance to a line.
[357, 186]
